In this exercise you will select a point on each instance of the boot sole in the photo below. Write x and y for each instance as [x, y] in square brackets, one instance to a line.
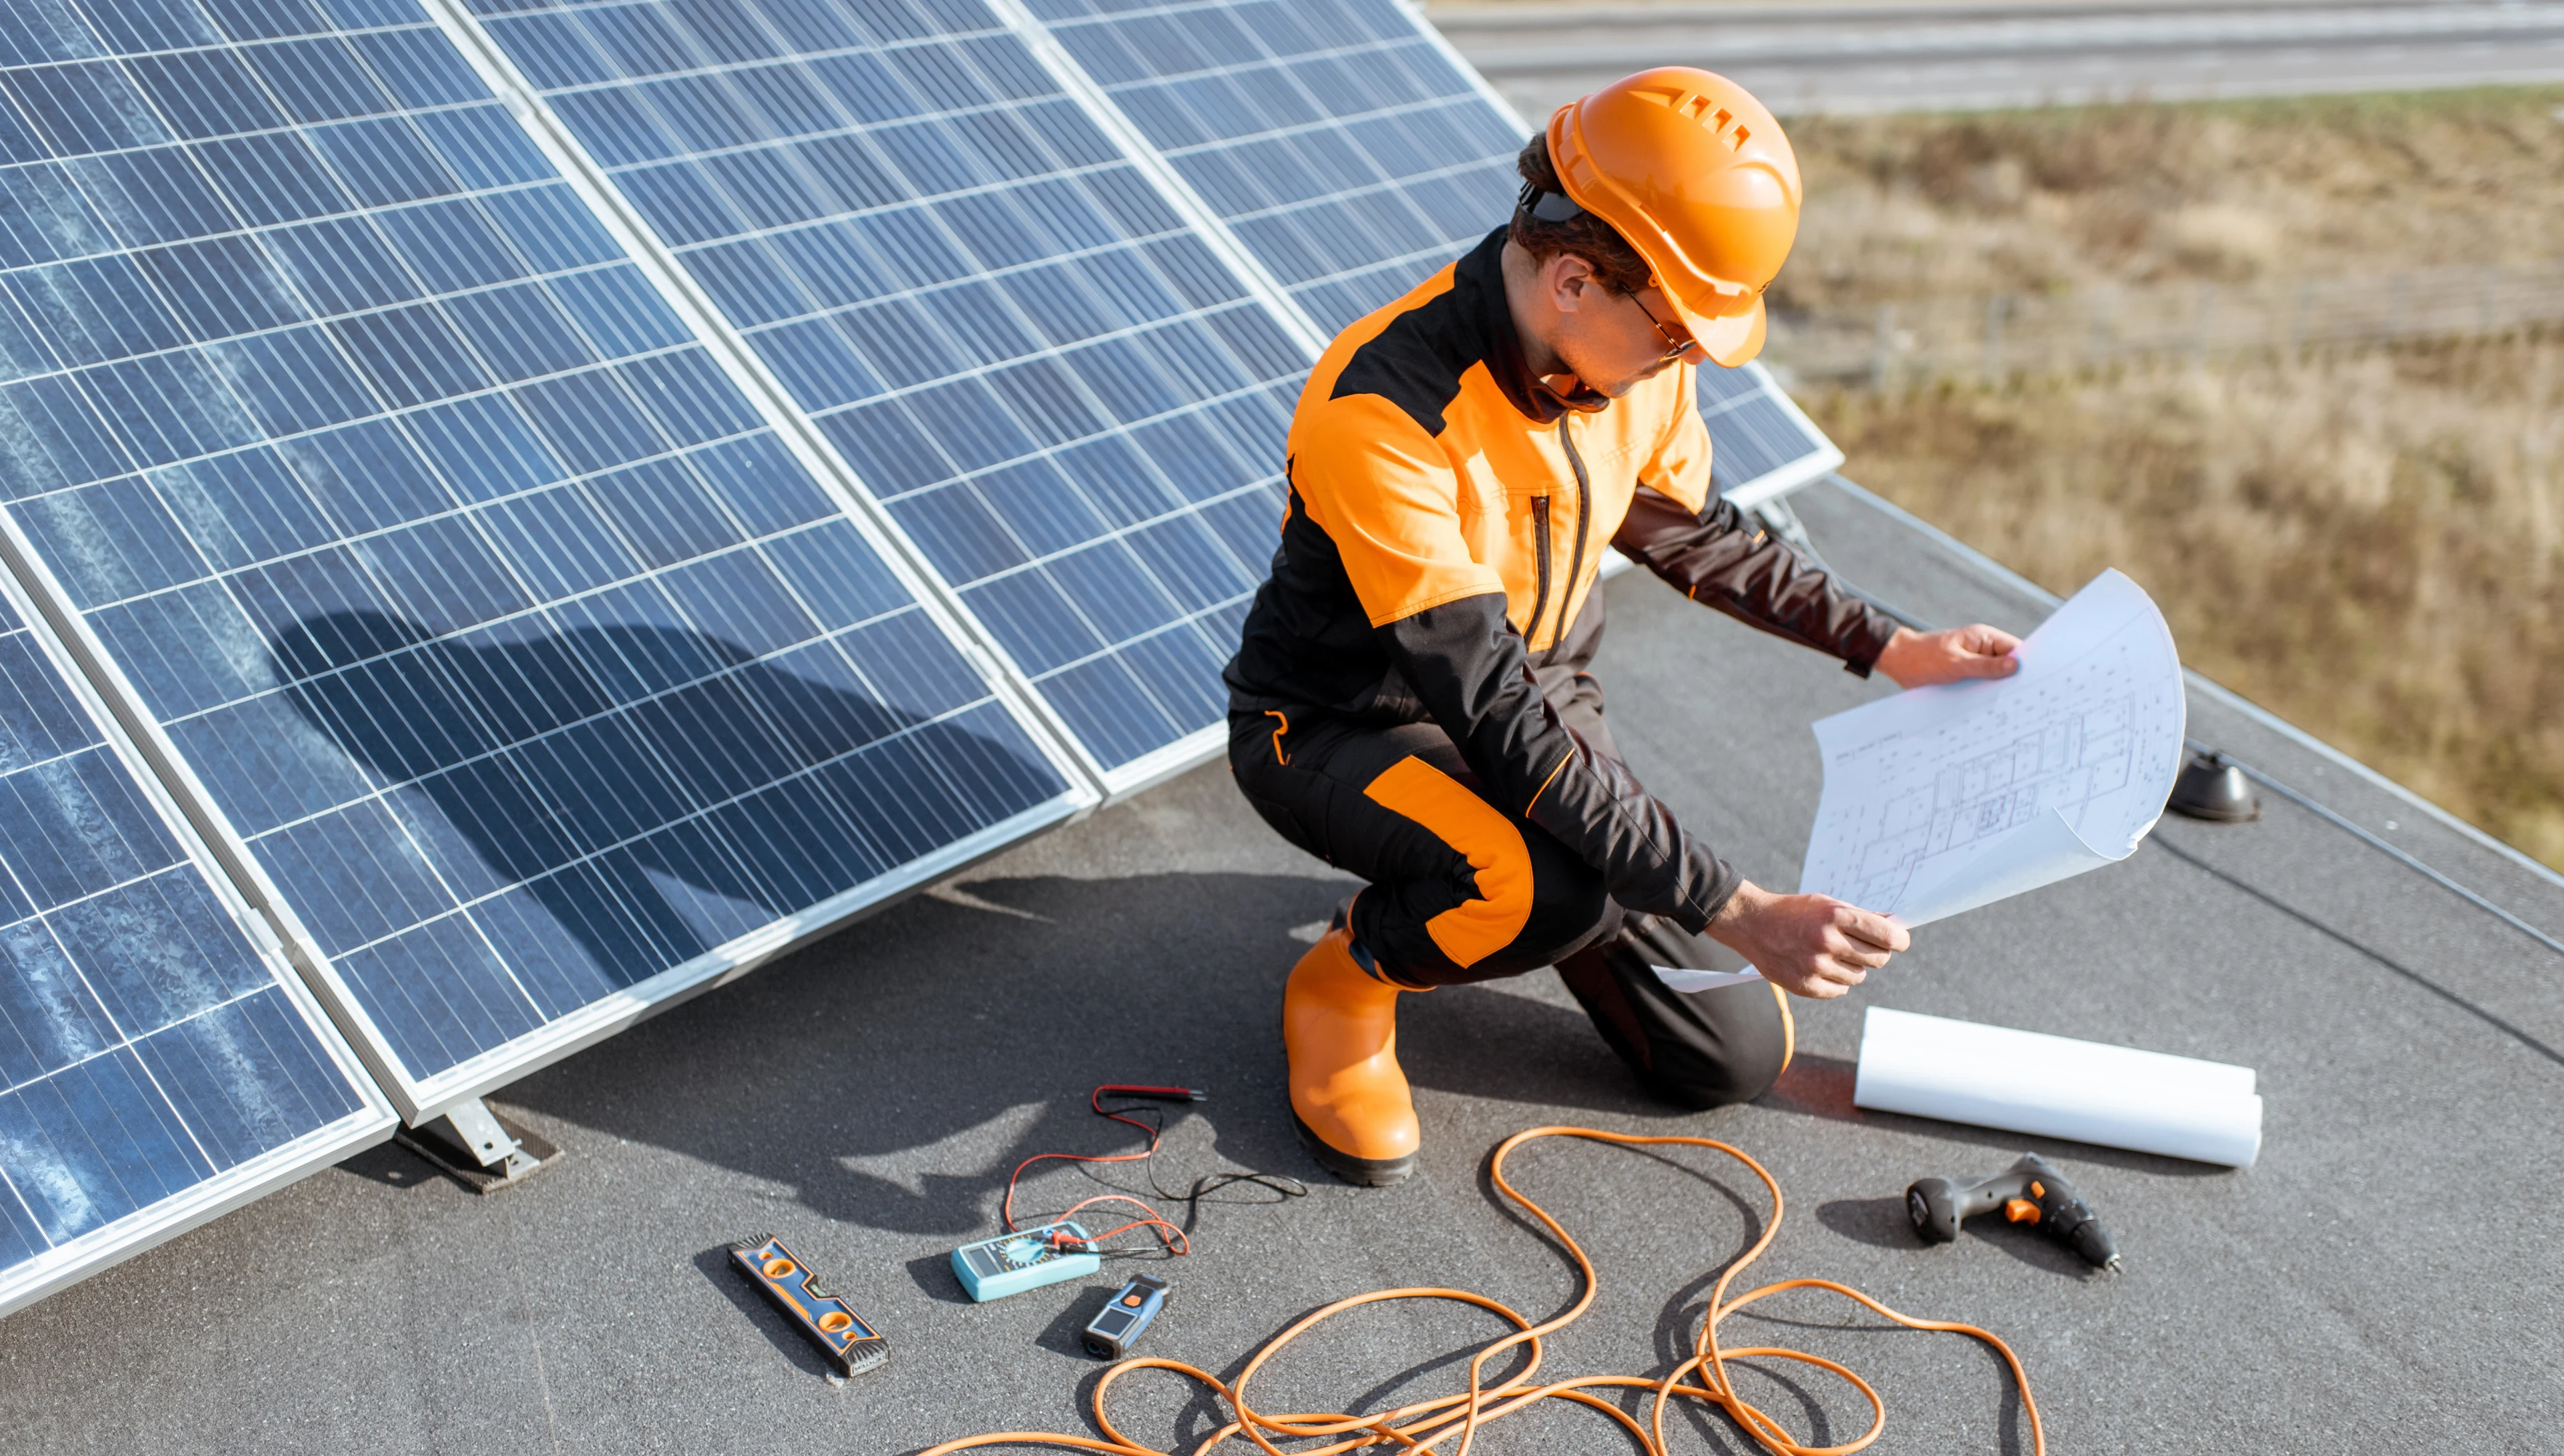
[1366, 1172]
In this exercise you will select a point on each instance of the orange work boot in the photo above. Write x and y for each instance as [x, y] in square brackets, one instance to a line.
[1348, 1099]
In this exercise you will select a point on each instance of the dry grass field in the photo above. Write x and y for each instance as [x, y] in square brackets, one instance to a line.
[1907, 207]
[2371, 544]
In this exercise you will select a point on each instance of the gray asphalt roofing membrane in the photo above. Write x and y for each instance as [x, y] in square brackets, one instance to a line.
[2383, 1281]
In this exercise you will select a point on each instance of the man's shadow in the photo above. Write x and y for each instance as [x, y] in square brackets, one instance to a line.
[631, 795]
[889, 1078]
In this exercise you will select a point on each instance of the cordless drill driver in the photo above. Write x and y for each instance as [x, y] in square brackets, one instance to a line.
[2030, 1190]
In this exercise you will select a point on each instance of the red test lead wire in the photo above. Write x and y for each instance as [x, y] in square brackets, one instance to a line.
[1170, 1236]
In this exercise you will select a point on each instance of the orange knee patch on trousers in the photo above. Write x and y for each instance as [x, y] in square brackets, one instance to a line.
[1487, 838]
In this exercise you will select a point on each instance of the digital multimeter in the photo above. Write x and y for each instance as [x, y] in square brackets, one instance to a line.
[1110, 1335]
[992, 1269]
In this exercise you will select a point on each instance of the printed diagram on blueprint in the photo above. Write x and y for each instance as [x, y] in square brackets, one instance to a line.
[1942, 800]
[2061, 760]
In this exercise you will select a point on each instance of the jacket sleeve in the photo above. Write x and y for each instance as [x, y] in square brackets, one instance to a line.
[1719, 560]
[1383, 494]
[1679, 528]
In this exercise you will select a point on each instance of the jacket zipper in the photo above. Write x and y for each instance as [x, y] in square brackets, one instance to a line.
[1539, 598]
[1583, 521]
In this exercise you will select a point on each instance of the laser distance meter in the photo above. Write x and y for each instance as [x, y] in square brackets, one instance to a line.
[1110, 1335]
[992, 1269]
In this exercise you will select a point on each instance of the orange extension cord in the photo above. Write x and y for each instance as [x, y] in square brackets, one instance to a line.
[1427, 1424]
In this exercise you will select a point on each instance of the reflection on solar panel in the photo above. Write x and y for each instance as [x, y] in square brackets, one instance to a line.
[1066, 400]
[526, 659]
[154, 1066]
[1351, 154]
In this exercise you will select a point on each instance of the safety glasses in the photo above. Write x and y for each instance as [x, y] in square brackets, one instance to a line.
[1675, 348]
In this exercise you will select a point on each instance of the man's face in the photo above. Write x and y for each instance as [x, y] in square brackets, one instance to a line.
[1613, 342]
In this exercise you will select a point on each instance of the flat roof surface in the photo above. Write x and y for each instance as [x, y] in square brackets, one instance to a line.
[2383, 1281]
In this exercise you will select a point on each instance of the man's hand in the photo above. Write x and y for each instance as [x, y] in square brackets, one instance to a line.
[1808, 944]
[1954, 654]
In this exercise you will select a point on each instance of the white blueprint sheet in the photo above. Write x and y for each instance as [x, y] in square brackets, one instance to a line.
[1943, 799]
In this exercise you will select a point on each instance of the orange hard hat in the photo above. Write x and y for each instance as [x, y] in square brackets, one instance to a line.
[1696, 176]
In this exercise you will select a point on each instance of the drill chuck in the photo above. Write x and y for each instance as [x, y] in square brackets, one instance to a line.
[2031, 1190]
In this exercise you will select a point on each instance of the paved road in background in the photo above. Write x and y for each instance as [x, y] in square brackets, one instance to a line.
[1908, 56]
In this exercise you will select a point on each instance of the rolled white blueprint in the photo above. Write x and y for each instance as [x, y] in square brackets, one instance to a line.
[2058, 1087]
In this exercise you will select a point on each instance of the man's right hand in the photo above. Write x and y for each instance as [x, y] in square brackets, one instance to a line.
[1807, 944]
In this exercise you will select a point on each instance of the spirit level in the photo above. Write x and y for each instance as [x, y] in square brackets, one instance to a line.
[851, 1345]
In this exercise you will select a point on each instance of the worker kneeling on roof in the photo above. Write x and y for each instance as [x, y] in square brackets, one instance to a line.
[1409, 700]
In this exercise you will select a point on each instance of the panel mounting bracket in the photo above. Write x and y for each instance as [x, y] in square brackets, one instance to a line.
[479, 1148]
[1780, 521]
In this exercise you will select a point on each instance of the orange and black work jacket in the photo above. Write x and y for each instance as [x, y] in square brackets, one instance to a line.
[1441, 551]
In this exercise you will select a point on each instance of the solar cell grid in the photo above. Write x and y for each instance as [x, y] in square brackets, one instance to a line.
[526, 659]
[1763, 446]
[148, 1048]
[1058, 391]
[1341, 146]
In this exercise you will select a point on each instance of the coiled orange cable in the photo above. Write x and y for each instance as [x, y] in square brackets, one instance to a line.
[1424, 1426]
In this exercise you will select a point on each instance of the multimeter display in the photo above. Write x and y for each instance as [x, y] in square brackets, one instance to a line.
[1012, 1263]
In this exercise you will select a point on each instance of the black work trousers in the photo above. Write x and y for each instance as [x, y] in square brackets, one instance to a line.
[1461, 889]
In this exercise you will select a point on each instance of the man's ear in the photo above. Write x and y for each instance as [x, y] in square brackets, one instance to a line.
[1568, 280]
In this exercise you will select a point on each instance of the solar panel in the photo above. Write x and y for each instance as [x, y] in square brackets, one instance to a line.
[1044, 277]
[529, 675]
[157, 1065]
[1352, 153]
[1763, 446]
[1063, 396]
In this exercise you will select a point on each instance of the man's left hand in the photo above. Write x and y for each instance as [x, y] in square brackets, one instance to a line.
[1914, 658]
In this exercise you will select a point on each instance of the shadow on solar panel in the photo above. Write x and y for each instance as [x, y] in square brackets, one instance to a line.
[575, 813]
[1050, 383]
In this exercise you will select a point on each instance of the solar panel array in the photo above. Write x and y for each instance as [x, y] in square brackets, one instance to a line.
[149, 1051]
[519, 652]
[1065, 398]
[560, 549]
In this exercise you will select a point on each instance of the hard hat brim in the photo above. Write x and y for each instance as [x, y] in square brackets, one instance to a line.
[1730, 341]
